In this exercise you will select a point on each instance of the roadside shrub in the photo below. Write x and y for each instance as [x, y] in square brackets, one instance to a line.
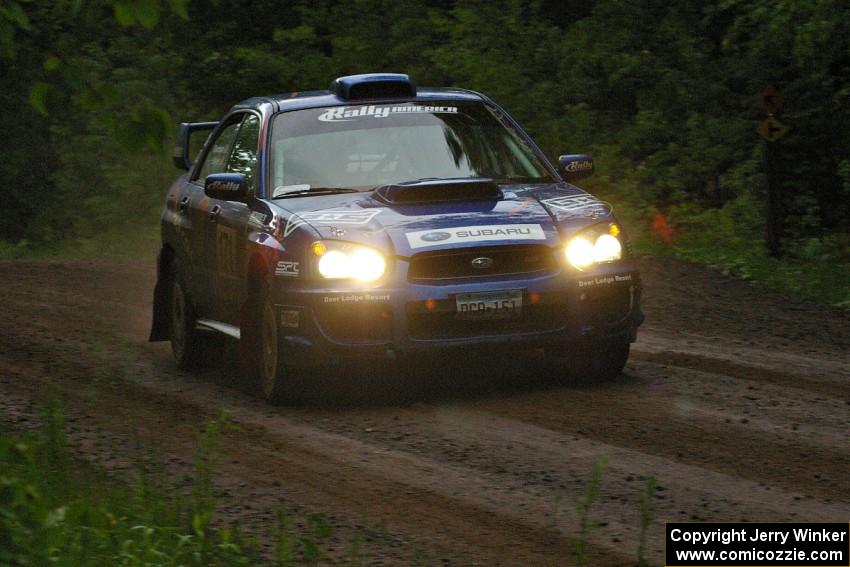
[56, 510]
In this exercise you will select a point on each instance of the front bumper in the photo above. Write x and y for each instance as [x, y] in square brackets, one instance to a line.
[332, 323]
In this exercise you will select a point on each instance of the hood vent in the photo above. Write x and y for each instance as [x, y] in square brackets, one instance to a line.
[439, 191]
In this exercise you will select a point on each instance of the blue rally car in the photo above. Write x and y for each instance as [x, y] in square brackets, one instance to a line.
[377, 219]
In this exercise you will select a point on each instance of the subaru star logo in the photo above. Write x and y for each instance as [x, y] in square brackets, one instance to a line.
[482, 263]
[436, 236]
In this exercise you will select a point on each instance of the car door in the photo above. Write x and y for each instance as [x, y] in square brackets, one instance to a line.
[228, 225]
[203, 259]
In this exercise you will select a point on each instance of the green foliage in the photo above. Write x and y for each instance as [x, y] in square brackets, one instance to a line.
[55, 510]
[730, 240]
[647, 516]
[38, 97]
[12, 18]
[146, 12]
[582, 506]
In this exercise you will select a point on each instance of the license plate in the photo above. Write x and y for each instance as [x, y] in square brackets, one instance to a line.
[489, 305]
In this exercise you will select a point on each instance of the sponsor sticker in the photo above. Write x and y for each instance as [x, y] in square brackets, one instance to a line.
[578, 206]
[605, 280]
[225, 186]
[287, 269]
[422, 238]
[225, 251]
[349, 113]
[356, 298]
[581, 165]
[331, 217]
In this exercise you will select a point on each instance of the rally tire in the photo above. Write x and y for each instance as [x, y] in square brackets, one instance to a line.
[263, 353]
[188, 345]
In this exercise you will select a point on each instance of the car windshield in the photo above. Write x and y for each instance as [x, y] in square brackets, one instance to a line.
[370, 145]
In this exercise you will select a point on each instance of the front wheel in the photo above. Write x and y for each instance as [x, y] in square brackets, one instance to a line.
[595, 360]
[266, 362]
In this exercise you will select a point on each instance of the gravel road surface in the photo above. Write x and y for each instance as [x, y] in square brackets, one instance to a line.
[735, 399]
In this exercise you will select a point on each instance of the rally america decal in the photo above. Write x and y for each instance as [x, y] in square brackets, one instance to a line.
[582, 205]
[422, 238]
[580, 165]
[347, 114]
[330, 217]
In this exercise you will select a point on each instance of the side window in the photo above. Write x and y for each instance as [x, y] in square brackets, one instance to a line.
[244, 157]
[216, 159]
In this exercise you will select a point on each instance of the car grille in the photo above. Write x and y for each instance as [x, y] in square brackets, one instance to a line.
[434, 320]
[519, 259]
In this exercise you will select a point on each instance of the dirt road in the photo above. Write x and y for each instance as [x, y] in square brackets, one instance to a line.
[736, 400]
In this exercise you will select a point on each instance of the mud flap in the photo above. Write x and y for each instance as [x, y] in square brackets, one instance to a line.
[161, 326]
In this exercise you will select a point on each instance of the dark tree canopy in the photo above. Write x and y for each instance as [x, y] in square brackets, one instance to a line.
[662, 94]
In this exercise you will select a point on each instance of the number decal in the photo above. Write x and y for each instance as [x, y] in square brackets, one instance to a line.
[473, 307]
[225, 251]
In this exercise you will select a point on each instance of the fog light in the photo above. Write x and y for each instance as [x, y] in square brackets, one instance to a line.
[607, 249]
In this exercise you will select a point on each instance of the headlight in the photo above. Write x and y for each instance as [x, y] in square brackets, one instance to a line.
[580, 252]
[595, 245]
[349, 261]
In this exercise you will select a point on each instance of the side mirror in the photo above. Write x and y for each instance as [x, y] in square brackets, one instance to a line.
[187, 145]
[226, 187]
[576, 166]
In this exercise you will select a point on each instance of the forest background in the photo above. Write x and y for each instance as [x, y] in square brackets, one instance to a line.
[662, 94]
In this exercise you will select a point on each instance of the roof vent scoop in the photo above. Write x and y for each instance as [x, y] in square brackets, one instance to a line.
[439, 191]
[373, 85]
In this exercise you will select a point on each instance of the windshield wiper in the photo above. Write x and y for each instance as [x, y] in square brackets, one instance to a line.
[315, 191]
[423, 179]
[441, 180]
[520, 179]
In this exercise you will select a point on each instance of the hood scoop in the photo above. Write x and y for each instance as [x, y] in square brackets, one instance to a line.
[422, 191]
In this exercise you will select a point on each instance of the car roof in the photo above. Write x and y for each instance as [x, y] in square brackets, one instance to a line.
[325, 98]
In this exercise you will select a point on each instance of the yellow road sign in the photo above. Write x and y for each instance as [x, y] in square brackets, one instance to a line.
[771, 129]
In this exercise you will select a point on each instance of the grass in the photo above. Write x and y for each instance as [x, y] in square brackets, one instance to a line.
[824, 281]
[130, 240]
[582, 505]
[731, 240]
[647, 516]
[56, 509]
